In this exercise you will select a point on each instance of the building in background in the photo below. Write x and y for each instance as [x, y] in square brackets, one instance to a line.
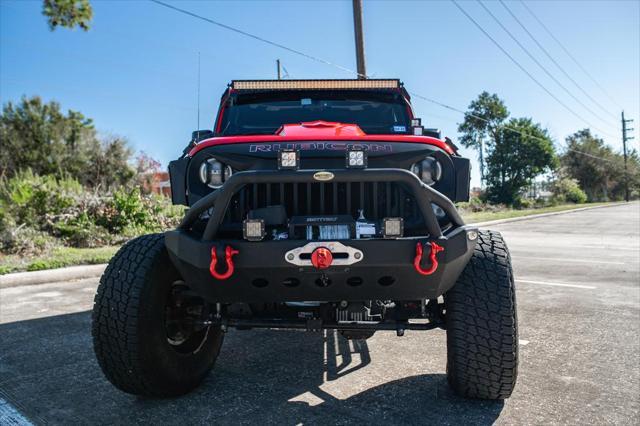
[157, 183]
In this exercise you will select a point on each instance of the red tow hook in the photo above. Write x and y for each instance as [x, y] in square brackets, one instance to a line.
[435, 249]
[229, 253]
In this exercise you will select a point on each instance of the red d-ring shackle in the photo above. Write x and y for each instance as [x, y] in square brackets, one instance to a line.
[229, 253]
[435, 249]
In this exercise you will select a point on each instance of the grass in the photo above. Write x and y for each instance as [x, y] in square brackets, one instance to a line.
[475, 217]
[58, 258]
[67, 256]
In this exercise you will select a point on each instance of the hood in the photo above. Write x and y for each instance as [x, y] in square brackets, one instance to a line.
[320, 131]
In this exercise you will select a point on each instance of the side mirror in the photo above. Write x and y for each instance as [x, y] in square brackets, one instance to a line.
[449, 142]
[198, 135]
[434, 133]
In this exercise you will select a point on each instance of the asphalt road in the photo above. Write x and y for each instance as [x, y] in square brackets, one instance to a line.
[578, 289]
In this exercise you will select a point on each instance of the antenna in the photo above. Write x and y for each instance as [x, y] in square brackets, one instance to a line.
[198, 127]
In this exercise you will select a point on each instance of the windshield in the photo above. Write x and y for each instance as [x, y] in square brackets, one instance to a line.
[375, 113]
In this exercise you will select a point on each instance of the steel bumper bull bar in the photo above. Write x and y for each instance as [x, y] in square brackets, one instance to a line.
[389, 269]
[221, 198]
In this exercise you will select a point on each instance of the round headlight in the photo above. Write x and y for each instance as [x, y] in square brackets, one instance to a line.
[428, 170]
[213, 173]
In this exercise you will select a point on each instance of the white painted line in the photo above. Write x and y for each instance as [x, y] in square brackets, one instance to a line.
[564, 259]
[10, 416]
[523, 342]
[588, 287]
[607, 247]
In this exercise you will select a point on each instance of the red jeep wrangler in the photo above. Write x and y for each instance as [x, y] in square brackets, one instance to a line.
[313, 204]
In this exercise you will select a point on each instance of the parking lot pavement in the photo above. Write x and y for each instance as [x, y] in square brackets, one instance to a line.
[578, 289]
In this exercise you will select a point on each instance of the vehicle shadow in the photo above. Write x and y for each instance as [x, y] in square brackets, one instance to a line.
[48, 371]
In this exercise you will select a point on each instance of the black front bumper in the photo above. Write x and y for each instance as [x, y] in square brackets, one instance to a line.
[262, 274]
[386, 271]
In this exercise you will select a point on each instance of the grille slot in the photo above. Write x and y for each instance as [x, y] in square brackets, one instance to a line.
[377, 199]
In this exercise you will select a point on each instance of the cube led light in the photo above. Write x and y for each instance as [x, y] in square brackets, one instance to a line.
[288, 159]
[356, 159]
[253, 229]
[392, 227]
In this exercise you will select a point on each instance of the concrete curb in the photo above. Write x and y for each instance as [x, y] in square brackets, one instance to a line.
[92, 271]
[51, 275]
[536, 216]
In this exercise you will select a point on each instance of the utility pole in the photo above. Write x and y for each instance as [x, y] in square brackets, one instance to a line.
[481, 160]
[359, 34]
[625, 138]
[278, 65]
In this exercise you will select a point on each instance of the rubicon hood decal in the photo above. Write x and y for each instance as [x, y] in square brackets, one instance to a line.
[380, 143]
[320, 146]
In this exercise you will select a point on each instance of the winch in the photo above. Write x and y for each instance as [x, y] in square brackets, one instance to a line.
[273, 221]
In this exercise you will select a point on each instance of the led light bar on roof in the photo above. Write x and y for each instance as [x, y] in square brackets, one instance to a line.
[314, 84]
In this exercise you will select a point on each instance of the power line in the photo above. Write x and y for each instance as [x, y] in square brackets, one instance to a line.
[566, 74]
[570, 55]
[198, 128]
[505, 127]
[534, 59]
[522, 67]
[433, 101]
[255, 37]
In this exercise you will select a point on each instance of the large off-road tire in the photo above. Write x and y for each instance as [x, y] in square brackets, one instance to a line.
[482, 326]
[143, 324]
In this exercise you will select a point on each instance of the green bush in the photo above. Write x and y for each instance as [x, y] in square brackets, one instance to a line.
[28, 197]
[568, 190]
[38, 213]
[25, 241]
[477, 204]
[130, 211]
[83, 232]
[524, 203]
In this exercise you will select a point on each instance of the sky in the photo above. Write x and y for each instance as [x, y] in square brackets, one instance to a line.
[135, 73]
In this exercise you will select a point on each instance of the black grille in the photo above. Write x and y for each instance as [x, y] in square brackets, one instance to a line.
[378, 200]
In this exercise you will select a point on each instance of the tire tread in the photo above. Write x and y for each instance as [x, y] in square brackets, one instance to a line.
[482, 328]
[115, 314]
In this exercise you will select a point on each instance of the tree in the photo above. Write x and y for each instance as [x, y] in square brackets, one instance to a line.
[598, 169]
[40, 137]
[483, 120]
[633, 166]
[147, 169]
[515, 152]
[68, 13]
[110, 167]
[517, 158]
